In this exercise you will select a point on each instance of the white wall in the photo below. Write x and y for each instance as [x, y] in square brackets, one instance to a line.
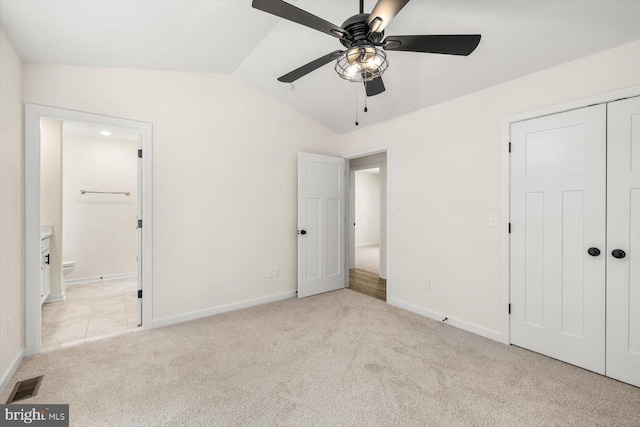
[11, 210]
[51, 196]
[99, 229]
[445, 172]
[367, 208]
[224, 172]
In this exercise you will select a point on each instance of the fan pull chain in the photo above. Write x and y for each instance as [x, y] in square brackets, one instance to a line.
[365, 97]
[357, 108]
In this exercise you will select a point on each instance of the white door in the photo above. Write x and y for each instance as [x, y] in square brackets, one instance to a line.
[558, 167]
[623, 235]
[321, 224]
[139, 232]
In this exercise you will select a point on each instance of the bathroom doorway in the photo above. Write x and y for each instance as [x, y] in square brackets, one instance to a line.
[86, 197]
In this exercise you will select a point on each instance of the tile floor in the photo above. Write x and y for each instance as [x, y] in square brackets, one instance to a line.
[90, 310]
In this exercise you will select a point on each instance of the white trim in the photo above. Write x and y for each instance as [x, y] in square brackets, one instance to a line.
[362, 152]
[507, 121]
[55, 298]
[11, 370]
[350, 249]
[81, 280]
[461, 324]
[179, 318]
[32, 115]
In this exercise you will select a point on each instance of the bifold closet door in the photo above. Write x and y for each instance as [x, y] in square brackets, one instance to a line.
[558, 207]
[623, 237]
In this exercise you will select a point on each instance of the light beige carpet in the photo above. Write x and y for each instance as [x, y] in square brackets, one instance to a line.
[340, 358]
[368, 259]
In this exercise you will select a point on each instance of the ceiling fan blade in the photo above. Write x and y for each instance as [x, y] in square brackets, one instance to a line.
[311, 66]
[383, 13]
[302, 17]
[374, 87]
[462, 44]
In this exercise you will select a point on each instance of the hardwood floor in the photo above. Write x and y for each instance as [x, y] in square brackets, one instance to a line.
[368, 283]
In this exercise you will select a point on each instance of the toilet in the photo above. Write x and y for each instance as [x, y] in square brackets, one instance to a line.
[68, 267]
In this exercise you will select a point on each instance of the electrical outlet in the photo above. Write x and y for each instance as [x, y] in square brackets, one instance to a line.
[276, 271]
[402, 216]
[269, 273]
[9, 325]
[429, 284]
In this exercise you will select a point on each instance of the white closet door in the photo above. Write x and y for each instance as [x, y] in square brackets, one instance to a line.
[623, 234]
[557, 214]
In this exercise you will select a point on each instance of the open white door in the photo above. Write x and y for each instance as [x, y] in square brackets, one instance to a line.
[139, 232]
[623, 241]
[321, 224]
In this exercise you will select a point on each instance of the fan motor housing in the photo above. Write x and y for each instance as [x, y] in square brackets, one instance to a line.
[357, 30]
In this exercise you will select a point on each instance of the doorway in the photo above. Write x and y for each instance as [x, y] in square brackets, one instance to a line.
[88, 209]
[326, 208]
[367, 225]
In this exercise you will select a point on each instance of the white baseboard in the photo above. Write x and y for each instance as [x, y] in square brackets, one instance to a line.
[13, 367]
[470, 327]
[100, 278]
[55, 298]
[172, 320]
[364, 245]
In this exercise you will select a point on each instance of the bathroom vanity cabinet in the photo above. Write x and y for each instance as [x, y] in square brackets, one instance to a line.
[45, 269]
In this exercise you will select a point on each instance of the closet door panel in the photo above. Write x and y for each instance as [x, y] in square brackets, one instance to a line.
[623, 234]
[558, 207]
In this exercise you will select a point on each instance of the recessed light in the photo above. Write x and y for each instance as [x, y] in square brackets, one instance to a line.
[105, 133]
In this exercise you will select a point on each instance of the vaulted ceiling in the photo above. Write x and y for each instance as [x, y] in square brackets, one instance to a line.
[518, 38]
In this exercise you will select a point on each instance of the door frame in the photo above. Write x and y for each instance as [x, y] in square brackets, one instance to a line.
[505, 237]
[384, 148]
[351, 214]
[32, 115]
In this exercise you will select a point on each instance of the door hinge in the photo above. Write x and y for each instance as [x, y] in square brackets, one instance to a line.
[139, 223]
[139, 154]
[509, 228]
[509, 308]
[139, 293]
[509, 147]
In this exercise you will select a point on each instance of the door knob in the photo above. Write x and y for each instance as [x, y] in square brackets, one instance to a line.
[618, 253]
[593, 251]
[303, 232]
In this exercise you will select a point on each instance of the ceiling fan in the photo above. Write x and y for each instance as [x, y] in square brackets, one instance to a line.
[364, 59]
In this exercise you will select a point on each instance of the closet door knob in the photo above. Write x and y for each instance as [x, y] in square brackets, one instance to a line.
[303, 232]
[593, 251]
[618, 253]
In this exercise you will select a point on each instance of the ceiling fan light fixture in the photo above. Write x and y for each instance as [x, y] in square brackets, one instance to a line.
[362, 63]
